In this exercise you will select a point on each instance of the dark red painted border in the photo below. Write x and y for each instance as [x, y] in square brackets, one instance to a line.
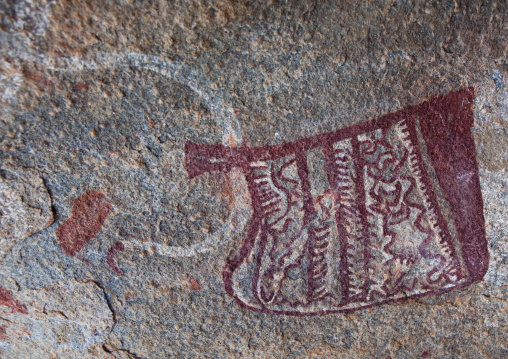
[349, 310]
[445, 123]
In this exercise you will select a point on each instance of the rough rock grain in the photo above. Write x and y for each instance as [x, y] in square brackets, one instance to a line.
[101, 97]
[25, 205]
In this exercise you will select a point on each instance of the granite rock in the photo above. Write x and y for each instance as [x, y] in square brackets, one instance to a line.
[109, 250]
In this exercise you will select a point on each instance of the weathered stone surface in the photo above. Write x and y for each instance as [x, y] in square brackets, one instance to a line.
[107, 247]
[25, 205]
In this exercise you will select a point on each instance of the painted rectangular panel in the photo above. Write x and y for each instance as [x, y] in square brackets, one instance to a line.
[383, 211]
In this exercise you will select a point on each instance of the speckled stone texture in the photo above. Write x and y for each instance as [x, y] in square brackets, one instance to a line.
[109, 250]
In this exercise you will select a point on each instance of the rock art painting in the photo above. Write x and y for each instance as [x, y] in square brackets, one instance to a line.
[110, 257]
[89, 212]
[383, 211]
[7, 300]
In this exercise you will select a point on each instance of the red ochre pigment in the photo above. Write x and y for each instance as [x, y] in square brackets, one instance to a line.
[89, 212]
[3, 332]
[7, 300]
[352, 219]
[110, 257]
[193, 282]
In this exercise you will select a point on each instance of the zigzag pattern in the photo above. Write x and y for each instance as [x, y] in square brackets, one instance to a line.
[347, 217]
[376, 233]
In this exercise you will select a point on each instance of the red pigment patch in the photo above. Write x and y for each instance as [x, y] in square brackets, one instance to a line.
[81, 86]
[40, 81]
[89, 212]
[7, 300]
[425, 354]
[195, 285]
[118, 246]
[151, 123]
[3, 331]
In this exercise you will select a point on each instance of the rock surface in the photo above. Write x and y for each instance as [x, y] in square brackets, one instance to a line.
[25, 204]
[109, 250]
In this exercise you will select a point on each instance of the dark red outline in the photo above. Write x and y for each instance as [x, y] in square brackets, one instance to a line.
[445, 122]
[110, 256]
